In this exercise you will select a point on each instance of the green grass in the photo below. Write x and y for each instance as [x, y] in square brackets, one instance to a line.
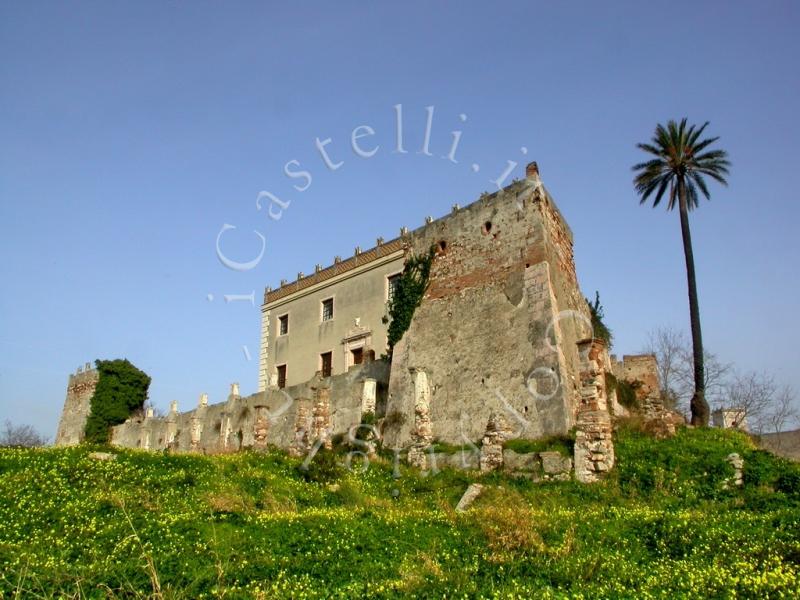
[555, 443]
[255, 526]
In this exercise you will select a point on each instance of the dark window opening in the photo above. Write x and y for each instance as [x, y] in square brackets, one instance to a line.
[281, 376]
[327, 363]
[283, 325]
[394, 283]
[327, 309]
[358, 356]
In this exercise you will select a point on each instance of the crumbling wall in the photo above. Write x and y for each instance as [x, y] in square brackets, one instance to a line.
[496, 330]
[641, 369]
[316, 409]
[77, 405]
[594, 448]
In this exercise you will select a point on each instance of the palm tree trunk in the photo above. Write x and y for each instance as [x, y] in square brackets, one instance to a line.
[699, 406]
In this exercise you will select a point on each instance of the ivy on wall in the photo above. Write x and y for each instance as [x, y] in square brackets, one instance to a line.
[626, 390]
[121, 390]
[408, 295]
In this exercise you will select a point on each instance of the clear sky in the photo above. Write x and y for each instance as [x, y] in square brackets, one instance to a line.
[131, 133]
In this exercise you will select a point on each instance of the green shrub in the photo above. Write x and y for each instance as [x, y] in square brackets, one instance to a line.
[554, 443]
[445, 448]
[323, 467]
[599, 328]
[121, 390]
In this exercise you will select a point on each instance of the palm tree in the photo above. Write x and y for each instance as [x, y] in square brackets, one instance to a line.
[679, 162]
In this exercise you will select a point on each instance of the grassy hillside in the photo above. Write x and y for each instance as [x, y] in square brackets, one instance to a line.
[249, 525]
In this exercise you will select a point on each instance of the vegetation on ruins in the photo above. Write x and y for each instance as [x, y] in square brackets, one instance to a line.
[665, 523]
[408, 294]
[679, 164]
[121, 390]
[626, 390]
[599, 328]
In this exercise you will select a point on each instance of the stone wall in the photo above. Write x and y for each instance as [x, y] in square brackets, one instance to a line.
[642, 370]
[496, 330]
[77, 405]
[594, 447]
[311, 411]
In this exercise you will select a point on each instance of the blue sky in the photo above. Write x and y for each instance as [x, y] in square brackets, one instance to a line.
[130, 133]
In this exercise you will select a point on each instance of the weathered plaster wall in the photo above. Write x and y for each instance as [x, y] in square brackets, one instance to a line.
[488, 334]
[359, 294]
[80, 389]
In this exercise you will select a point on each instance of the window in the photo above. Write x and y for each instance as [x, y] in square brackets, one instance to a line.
[326, 359]
[327, 309]
[358, 355]
[283, 325]
[281, 376]
[394, 282]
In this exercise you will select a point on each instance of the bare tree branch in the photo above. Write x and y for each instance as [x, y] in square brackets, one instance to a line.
[20, 436]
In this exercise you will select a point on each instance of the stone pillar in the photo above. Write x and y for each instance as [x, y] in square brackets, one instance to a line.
[260, 427]
[422, 434]
[737, 462]
[301, 443]
[368, 396]
[224, 430]
[196, 423]
[594, 448]
[172, 426]
[195, 432]
[321, 417]
[497, 432]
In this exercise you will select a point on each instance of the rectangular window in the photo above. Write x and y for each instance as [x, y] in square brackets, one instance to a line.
[283, 325]
[327, 309]
[358, 356]
[281, 376]
[393, 282]
[327, 362]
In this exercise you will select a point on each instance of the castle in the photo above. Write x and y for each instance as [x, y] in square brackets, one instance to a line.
[500, 347]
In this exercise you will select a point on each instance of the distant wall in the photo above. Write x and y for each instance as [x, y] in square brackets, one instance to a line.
[77, 405]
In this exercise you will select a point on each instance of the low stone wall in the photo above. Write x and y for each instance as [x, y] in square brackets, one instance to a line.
[537, 466]
[291, 418]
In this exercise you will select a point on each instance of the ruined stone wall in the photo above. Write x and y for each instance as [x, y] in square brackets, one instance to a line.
[641, 368]
[491, 334]
[309, 411]
[594, 448]
[77, 405]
